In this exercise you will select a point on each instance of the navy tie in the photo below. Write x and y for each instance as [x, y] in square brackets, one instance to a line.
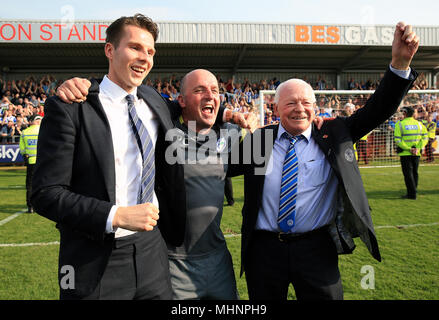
[288, 189]
[146, 149]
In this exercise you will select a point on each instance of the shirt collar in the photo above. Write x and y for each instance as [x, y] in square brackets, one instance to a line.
[114, 92]
[306, 134]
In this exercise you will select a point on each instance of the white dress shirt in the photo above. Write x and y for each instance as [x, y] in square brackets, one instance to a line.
[127, 156]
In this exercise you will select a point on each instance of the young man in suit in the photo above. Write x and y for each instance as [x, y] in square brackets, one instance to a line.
[101, 176]
[306, 201]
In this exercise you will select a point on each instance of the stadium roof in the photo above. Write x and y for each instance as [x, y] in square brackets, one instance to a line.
[227, 47]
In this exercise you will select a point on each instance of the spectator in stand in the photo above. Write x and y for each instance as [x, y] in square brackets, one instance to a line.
[351, 84]
[237, 91]
[20, 126]
[174, 93]
[42, 99]
[4, 104]
[9, 116]
[7, 132]
[321, 83]
[349, 108]
[323, 113]
[230, 86]
[248, 94]
[269, 119]
[41, 110]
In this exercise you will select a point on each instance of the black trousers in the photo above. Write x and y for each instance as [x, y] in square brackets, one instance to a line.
[228, 190]
[409, 166]
[29, 175]
[309, 263]
[138, 269]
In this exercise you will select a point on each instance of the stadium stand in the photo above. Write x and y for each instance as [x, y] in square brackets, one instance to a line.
[20, 99]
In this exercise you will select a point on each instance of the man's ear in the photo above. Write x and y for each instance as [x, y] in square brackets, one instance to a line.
[109, 49]
[275, 111]
[181, 101]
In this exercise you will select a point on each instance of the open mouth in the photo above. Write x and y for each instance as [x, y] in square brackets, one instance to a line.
[207, 110]
[138, 70]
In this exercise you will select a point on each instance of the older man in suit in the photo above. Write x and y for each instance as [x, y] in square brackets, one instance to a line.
[102, 177]
[306, 202]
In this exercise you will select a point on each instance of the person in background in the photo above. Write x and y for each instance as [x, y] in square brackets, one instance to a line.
[28, 149]
[431, 130]
[410, 138]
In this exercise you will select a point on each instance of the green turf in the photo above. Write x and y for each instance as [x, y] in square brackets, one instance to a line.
[410, 255]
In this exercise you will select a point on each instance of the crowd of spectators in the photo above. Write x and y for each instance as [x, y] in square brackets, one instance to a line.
[21, 99]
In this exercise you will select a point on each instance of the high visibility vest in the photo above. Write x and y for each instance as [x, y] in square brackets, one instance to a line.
[356, 152]
[355, 144]
[409, 133]
[365, 137]
[431, 128]
[28, 143]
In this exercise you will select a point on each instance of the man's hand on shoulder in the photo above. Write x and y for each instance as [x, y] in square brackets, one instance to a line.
[246, 121]
[252, 122]
[318, 121]
[73, 90]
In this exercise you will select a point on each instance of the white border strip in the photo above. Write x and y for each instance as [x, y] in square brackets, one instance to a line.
[403, 226]
[15, 215]
[28, 244]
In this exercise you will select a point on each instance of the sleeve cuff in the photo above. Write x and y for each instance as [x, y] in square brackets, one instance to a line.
[405, 74]
[109, 226]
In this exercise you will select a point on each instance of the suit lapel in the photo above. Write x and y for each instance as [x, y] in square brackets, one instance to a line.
[322, 138]
[98, 132]
[157, 104]
[266, 153]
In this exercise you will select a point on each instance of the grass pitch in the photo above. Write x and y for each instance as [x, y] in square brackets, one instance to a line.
[407, 231]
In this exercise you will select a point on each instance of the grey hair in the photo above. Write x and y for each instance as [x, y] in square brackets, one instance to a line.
[292, 81]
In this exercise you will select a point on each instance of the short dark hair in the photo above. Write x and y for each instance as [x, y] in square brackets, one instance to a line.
[409, 111]
[116, 28]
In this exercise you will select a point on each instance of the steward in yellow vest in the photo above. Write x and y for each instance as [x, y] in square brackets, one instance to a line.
[410, 137]
[28, 149]
[431, 131]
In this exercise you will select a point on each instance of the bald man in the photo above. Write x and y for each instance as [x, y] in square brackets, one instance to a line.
[202, 267]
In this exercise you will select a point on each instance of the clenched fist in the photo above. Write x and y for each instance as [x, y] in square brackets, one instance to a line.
[141, 217]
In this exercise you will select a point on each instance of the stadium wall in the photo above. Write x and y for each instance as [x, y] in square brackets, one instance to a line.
[37, 31]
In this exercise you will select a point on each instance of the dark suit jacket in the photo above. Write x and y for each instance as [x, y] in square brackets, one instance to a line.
[336, 140]
[74, 182]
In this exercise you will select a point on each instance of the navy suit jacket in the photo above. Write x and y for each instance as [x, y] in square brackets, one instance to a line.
[74, 182]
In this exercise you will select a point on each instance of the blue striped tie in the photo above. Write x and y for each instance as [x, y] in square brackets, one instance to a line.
[288, 188]
[146, 149]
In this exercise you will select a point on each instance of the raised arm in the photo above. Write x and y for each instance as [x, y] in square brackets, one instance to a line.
[392, 89]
